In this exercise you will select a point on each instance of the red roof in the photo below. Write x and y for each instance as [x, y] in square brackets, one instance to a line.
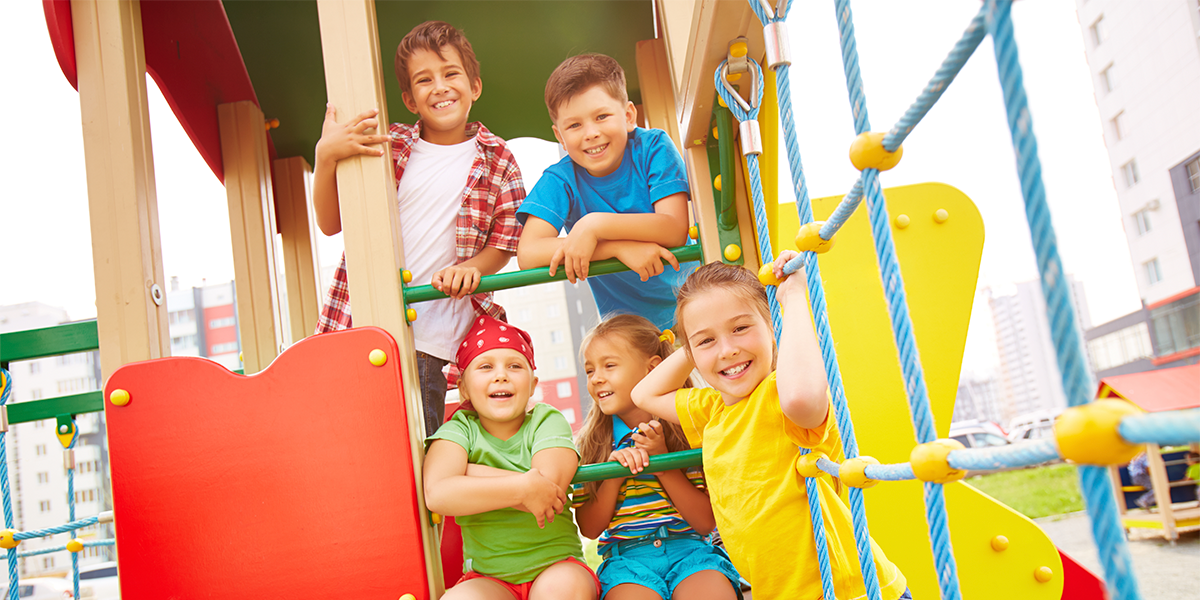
[1156, 391]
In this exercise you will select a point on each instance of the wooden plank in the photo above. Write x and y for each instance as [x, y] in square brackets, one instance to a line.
[126, 253]
[1162, 491]
[658, 94]
[297, 227]
[252, 229]
[371, 220]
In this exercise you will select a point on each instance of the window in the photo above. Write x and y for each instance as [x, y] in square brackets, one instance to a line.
[526, 315]
[180, 316]
[44, 505]
[183, 340]
[1098, 31]
[1141, 219]
[1153, 271]
[1176, 326]
[35, 394]
[1120, 347]
[226, 322]
[1129, 172]
[223, 348]
[43, 477]
[40, 450]
[563, 389]
[552, 310]
[35, 367]
[1193, 169]
[48, 563]
[556, 336]
[1116, 123]
[560, 362]
[1106, 79]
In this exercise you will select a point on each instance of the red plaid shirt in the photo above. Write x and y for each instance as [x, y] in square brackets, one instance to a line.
[487, 216]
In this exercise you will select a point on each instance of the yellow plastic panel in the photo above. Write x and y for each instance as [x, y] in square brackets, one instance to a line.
[940, 264]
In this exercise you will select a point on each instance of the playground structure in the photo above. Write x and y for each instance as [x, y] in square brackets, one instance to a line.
[310, 444]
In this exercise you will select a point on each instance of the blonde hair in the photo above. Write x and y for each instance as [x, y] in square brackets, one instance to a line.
[730, 279]
[578, 74]
[596, 436]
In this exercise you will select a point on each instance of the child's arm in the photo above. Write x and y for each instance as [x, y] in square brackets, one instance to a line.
[558, 465]
[461, 280]
[595, 514]
[800, 376]
[338, 142]
[655, 393]
[692, 503]
[450, 491]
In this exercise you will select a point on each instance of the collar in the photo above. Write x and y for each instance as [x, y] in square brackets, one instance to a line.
[622, 433]
[475, 130]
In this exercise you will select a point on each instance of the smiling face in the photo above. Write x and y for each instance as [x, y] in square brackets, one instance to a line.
[730, 342]
[593, 127]
[613, 368]
[499, 384]
[442, 94]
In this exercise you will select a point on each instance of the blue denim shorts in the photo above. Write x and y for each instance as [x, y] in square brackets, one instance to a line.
[661, 568]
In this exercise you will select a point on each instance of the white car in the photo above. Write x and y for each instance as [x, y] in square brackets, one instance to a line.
[99, 582]
[41, 588]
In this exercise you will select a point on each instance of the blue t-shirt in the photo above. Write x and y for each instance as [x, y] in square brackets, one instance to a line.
[651, 169]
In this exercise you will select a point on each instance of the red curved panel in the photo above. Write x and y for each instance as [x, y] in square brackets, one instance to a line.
[62, 37]
[295, 482]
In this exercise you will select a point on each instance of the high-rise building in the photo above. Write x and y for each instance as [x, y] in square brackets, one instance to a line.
[1029, 377]
[202, 321]
[978, 398]
[1145, 62]
[38, 478]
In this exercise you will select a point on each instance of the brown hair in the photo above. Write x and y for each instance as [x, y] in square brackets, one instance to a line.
[434, 36]
[729, 278]
[595, 438]
[578, 74]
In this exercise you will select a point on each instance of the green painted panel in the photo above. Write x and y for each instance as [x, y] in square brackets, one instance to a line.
[49, 341]
[36, 410]
[518, 44]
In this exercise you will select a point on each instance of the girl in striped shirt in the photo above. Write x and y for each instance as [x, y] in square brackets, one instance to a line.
[652, 528]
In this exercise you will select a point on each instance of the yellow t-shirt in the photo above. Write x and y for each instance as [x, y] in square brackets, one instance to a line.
[759, 500]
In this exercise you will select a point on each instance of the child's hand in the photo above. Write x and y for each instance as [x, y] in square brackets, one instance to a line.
[635, 459]
[340, 141]
[797, 281]
[542, 497]
[456, 281]
[575, 252]
[650, 438]
[645, 258]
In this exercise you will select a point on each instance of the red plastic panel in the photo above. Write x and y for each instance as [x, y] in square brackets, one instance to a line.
[1080, 583]
[295, 482]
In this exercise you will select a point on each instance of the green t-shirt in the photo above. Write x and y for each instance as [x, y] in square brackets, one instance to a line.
[506, 543]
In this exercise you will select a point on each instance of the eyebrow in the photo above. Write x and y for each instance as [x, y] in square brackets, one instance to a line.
[732, 319]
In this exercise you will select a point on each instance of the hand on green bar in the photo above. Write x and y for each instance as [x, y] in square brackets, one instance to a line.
[661, 462]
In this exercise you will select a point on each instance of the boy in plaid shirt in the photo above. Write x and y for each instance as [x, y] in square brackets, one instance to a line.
[458, 190]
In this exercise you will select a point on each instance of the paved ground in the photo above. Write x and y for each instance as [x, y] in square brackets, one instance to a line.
[1164, 571]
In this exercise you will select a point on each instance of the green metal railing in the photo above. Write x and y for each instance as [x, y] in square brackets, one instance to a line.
[662, 462]
[504, 281]
[70, 338]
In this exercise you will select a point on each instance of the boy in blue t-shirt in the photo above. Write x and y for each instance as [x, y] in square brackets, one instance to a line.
[620, 193]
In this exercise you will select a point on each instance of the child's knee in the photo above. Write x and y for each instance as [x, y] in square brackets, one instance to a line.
[566, 579]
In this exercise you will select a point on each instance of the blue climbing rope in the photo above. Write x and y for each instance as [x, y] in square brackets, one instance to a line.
[1097, 490]
[5, 394]
[71, 503]
[893, 285]
[1166, 429]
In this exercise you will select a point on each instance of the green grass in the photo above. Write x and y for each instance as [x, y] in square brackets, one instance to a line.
[1037, 492]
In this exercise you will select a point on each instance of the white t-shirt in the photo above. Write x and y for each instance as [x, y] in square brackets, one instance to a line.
[430, 195]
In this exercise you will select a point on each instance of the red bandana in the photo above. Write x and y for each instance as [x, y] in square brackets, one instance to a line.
[488, 333]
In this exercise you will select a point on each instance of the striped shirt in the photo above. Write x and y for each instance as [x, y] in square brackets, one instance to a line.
[642, 504]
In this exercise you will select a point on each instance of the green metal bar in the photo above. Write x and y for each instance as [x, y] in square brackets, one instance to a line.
[504, 281]
[36, 410]
[662, 462]
[726, 211]
[49, 341]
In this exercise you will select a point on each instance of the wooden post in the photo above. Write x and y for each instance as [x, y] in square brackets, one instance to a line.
[293, 190]
[658, 94]
[126, 253]
[252, 229]
[370, 217]
[1162, 490]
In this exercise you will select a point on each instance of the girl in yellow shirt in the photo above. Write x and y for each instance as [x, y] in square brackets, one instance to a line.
[751, 425]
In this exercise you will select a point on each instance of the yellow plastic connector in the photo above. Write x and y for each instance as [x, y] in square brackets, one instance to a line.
[1043, 574]
[408, 597]
[75, 545]
[119, 397]
[808, 239]
[902, 221]
[7, 541]
[717, 183]
[853, 472]
[866, 152]
[378, 357]
[436, 518]
[766, 275]
[733, 252]
[271, 124]
[930, 462]
[406, 276]
[410, 314]
[715, 136]
[807, 465]
[1000, 543]
[694, 232]
[1088, 434]
[66, 438]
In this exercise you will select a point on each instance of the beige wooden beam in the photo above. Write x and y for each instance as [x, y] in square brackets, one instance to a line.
[658, 92]
[1162, 490]
[293, 190]
[126, 254]
[252, 230]
[370, 218]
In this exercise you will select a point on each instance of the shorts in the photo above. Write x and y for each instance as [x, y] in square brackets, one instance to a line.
[661, 567]
[520, 591]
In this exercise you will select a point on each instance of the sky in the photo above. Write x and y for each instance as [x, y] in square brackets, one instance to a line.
[45, 236]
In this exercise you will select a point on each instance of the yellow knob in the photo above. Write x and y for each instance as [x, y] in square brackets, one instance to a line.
[408, 597]
[720, 101]
[7, 540]
[1090, 434]
[1000, 543]
[807, 464]
[436, 518]
[119, 397]
[867, 152]
[766, 275]
[717, 183]
[410, 314]
[732, 77]
[694, 232]
[853, 472]
[940, 215]
[902, 221]
[808, 238]
[738, 50]
[378, 357]
[715, 136]
[1043, 574]
[733, 252]
[75, 545]
[406, 276]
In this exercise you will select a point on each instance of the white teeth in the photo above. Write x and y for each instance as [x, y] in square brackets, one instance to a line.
[443, 104]
[501, 395]
[603, 395]
[597, 150]
[731, 371]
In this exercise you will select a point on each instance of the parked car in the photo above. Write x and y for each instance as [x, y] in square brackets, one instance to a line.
[99, 582]
[41, 588]
[976, 435]
[1036, 431]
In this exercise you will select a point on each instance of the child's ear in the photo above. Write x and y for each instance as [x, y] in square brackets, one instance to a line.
[408, 102]
[655, 361]
[558, 136]
[476, 89]
[630, 116]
